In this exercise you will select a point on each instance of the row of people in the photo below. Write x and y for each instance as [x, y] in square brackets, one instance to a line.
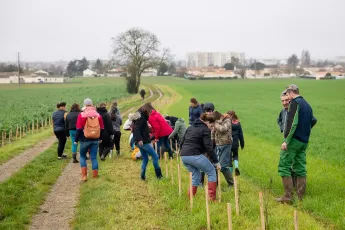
[96, 129]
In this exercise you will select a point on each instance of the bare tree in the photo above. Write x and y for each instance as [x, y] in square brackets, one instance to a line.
[137, 50]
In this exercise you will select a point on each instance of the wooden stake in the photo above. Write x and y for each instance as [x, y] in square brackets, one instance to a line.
[262, 212]
[219, 187]
[10, 136]
[166, 164]
[236, 197]
[172, 171]
[41, 124]
[33, 127]
[229, 217]
[37, 124]
[17, 132]
[296, 219]
[3, 139]
[20, 131]
[191, 191]
[207, 209]
[179, 179]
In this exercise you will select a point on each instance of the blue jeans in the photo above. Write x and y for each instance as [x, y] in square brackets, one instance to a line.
[74, 146]
[84, 147]
[224, 157]
[147, 150]
[196, 163]
[164, 141]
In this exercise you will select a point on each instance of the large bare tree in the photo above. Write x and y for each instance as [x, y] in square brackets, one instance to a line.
[137, 50]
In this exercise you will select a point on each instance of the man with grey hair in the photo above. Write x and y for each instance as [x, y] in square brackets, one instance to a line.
[297, 131]
[283, 113]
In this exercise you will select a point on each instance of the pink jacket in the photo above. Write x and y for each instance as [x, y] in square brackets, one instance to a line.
[160, 128]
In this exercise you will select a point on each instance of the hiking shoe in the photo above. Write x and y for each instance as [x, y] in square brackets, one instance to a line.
[60, 158]
[237, 172]
[118, 153]
[102, 157]
[64, 156]
[75, 161]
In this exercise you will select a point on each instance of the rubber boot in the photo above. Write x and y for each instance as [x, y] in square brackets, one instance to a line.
[301, 187]
[159, 173]
[228, 177]
[95, 173]
[194, 190]
[287, 184]
[142, 174]
[118, 152]
[74, 156]
[84, 173]
[212, 190]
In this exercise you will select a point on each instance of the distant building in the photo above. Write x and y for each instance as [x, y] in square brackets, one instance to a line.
[88, 73]
[204, 59]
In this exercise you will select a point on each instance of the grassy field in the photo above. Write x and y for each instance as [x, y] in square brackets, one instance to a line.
[257, 103]
[119, 200]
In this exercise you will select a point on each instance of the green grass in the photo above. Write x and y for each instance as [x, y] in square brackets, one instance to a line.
[257, 104]
[17, 147]
[23, 193]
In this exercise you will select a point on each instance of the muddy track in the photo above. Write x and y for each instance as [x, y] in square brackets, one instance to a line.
[59, 208]
[12, 166]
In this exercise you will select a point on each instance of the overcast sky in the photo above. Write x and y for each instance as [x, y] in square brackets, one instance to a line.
[50, 30]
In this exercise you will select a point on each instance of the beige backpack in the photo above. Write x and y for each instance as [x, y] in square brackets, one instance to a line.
[92, 129]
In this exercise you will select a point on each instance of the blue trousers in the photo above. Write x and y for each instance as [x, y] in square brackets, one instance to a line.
[196, 163]
[147, 150]
[164, 141]
[74, 146]
[84, 147]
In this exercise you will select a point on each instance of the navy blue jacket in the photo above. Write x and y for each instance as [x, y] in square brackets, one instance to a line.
[194, 113]
[59, 120]
[299, 121]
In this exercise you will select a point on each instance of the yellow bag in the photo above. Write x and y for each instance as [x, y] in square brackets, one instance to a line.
[134, 153]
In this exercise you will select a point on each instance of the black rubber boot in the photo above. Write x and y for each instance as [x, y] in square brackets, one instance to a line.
[158, 173]
[142, 175]
[228, 177]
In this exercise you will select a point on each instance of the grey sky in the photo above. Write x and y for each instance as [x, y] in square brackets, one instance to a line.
[50, 30]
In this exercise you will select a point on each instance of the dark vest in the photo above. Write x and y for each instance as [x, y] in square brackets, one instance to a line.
[59, 121]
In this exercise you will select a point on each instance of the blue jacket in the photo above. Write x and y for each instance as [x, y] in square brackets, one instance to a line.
[299, 120]
[59, 120]
[194, 113]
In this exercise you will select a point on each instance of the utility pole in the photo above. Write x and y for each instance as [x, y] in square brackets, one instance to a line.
[18, 71]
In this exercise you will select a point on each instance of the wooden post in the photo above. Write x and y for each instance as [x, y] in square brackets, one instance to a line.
[42, 124]
[219, 187]
[179, 179]
[191, 191]
[166, 165]
[229, 217]
[262, 212]
[20, 131]
[295, 219]
[17, 132]
[10, 136]
[37, 125]
[33, 127]
[172, 171]
[207, 209]
[3, 139]
[236, 197]
[24, 133]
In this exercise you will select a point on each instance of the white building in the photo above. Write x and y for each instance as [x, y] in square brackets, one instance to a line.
[88, 73]
[204, 59]
[32, 79]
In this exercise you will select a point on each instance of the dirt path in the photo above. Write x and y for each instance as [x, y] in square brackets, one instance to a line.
[15, 164]
[58, 209]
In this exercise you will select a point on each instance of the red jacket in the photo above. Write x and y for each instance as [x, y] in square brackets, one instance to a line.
[159, 125]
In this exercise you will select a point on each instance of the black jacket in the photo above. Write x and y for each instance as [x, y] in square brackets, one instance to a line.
[71, 121]
[108, 125]
[141, 130]
[237, 135]
[172, 120]
[197, 141]
[282, 119]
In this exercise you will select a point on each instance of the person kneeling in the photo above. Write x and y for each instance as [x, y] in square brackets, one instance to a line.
[197, 141]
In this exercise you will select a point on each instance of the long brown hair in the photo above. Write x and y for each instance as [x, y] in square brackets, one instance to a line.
[207, 117]
[75, 107]
[233, 115]
[147, 108]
